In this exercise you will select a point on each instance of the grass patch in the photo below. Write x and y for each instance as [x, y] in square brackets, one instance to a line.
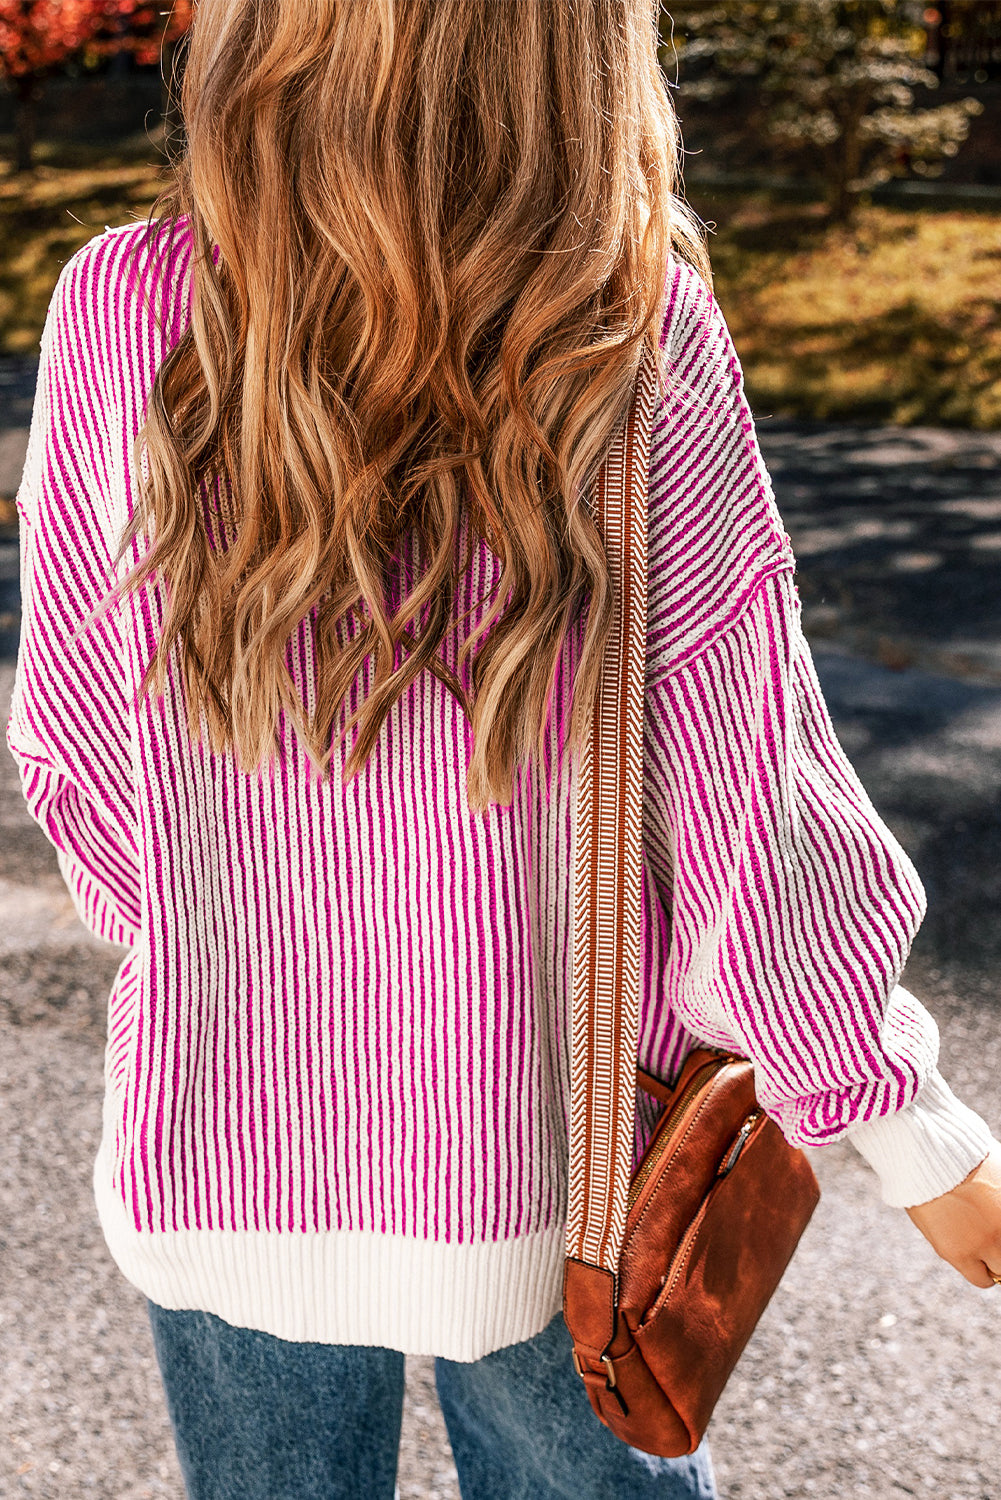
[45, 218]
[895, 320]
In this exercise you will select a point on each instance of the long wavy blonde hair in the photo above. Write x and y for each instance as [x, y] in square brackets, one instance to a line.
[430, 238]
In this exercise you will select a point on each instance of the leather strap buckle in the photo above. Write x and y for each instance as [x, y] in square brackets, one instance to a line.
[605, 1360]
[611, 1383]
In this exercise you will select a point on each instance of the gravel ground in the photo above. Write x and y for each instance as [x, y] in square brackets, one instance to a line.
[876, 1368]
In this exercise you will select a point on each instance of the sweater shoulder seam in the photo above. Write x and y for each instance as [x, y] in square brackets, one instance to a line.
[714, 633]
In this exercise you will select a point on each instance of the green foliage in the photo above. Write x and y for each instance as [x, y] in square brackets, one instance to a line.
[831, 83]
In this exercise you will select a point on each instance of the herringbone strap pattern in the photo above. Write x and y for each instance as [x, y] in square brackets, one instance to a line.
[608, 861]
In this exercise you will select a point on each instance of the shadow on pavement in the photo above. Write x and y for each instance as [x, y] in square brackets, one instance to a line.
[897, 535]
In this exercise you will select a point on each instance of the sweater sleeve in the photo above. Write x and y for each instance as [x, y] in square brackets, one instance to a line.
[68, 728]
[793, 906]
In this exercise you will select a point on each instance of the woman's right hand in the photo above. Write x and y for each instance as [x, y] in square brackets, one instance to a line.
[963, 1226]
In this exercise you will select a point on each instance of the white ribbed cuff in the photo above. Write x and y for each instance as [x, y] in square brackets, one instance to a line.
[925, 1149]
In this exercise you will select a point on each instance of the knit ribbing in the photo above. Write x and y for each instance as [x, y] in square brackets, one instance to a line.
[927, 1148]
[338, 1044]
[352, 1287]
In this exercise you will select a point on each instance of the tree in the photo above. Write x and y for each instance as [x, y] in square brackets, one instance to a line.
[834, 82]
[38, 37]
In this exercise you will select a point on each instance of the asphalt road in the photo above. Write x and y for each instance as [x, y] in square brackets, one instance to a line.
[876, 1369]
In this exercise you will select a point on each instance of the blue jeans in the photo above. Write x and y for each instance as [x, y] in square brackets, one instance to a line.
[260, 1418]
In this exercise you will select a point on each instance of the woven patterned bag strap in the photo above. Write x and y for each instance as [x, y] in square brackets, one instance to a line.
[608, 861]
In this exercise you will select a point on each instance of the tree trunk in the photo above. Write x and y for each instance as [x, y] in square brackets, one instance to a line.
[945, 35]
[25, 123]
[843, 203]
[847, 160]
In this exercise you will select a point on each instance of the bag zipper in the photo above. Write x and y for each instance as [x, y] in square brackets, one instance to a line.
[753, 1122]
[695, 1084]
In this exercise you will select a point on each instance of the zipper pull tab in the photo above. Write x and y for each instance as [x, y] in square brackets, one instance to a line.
[730, 1160]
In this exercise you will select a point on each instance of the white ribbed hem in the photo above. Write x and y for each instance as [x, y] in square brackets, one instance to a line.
[925, 1149]
[346, 1286]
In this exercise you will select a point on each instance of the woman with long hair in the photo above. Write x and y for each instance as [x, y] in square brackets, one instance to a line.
[310, 452]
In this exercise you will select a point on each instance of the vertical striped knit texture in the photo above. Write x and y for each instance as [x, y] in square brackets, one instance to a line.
[348, 1008]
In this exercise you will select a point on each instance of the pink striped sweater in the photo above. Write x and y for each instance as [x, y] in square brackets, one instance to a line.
[337, 1064]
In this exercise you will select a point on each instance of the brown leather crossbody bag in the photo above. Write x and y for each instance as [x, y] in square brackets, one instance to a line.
[667, 1269]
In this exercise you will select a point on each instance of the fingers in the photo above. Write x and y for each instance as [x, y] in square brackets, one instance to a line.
[975, 1270]
[975, 1256]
